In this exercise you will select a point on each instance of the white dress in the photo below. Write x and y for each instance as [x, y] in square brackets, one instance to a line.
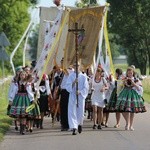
[97, 96]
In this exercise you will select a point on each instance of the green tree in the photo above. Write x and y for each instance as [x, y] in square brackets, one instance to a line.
[115, 46]
[14, 20]
[129, 20]
[85, 3]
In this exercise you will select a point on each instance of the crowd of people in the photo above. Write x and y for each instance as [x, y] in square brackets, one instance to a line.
[66, 94]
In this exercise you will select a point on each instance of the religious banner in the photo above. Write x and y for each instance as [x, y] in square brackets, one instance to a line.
[58, 55]
[91, 20]
[48, 48]
[46, 15]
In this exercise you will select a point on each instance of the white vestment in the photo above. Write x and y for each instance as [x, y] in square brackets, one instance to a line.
[76, 114]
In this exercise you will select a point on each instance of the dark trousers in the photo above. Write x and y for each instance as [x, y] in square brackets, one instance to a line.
[64, 108]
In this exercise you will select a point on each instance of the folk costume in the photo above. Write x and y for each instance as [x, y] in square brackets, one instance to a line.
[117, 86]
[21, 97]
[44, 91]
[76, 114]
[130, 98]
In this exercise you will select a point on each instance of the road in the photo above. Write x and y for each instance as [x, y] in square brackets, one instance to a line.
[51, 138]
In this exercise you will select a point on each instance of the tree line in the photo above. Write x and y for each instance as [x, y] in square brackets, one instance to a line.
[129, 30]
[14, 20]
[128, 27]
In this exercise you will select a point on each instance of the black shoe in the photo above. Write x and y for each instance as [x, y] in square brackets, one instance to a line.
[102, 124]
[106, 125]
[16, 128]
[79, 128]
[94, 126]
[41, 124]
[88, 117]
[30, 130]
[37, 123]
[99, 127]
[22, 128]
[74, 132]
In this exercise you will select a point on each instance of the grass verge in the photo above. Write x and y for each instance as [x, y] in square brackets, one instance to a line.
[5, 121]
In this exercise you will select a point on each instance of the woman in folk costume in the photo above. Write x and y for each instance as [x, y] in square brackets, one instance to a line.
[13, 82]
[21, 97]
[76, 112]
[99, 86]
[130, 99]
[118, 86]
[45, 92]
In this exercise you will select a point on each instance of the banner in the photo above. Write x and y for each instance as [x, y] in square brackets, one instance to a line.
[91, 20]
[48, 48]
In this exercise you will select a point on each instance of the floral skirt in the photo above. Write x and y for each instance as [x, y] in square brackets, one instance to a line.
[129, 101]
[110, 107]
[19, 106]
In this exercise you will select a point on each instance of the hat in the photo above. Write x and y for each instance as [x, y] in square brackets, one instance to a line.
[132, 66]
[19, 68]
[33, 63]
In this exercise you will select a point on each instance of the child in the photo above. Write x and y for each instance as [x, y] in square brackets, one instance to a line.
[20, 98]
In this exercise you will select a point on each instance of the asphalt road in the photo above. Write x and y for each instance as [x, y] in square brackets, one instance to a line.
[51, 138]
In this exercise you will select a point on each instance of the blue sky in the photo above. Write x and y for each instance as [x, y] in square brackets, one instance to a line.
[49, 3]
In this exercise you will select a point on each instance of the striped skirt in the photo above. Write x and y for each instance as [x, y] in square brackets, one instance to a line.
[110, 107]
[19, 105]
[130, 101]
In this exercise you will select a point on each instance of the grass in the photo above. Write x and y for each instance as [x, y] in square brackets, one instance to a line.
[146, 86]
[5, 121]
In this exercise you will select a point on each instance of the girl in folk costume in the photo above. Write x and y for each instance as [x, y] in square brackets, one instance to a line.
[13, 82]
[21, 97]
[36, 110]
[117, 87]
[130, 99]
[98, 96]
[44, 90]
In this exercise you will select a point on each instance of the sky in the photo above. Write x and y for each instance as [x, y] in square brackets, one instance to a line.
[49, 3]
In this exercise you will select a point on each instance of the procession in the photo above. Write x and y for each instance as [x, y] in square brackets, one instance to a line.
[69, 90]
[78, 78]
